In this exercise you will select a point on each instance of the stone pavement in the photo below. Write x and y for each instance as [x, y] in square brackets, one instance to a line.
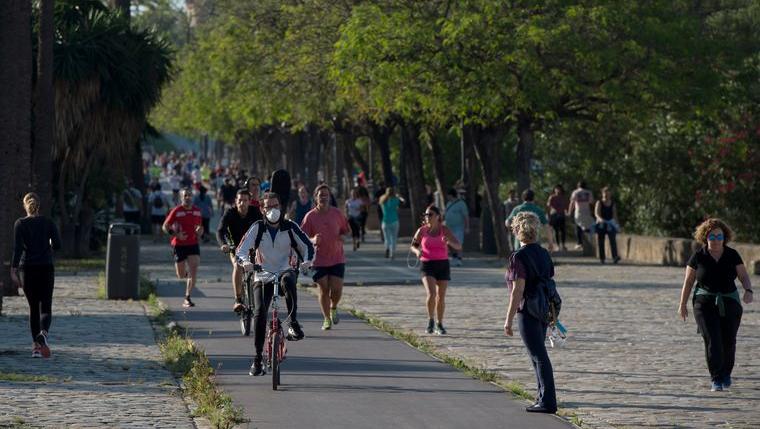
[629, 361]
[106, 369]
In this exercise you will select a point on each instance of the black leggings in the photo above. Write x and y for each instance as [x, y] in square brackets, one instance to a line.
[557, 221]
[533, 333]
[355, 224]
[262, 297]
[38, 288]
[719, 334]
[600, 243]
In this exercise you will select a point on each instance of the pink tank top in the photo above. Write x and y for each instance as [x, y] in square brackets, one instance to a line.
[433, 246]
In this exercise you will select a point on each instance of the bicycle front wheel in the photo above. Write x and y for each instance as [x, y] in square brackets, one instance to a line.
[275, 356]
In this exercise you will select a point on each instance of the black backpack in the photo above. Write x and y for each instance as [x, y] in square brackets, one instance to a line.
[542, 301]
[287, 225]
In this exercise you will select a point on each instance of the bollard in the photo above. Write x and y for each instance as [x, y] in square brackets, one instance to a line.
[123, 261]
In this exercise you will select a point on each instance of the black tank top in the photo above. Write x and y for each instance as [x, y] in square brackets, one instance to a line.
[607, 212]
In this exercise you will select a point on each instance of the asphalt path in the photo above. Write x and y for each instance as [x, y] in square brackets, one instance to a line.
[352, 376]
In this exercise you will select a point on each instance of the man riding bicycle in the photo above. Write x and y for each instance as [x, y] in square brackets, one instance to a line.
[233, 225]
[278, 245]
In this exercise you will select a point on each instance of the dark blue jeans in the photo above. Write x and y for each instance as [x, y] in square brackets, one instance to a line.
[533, 333]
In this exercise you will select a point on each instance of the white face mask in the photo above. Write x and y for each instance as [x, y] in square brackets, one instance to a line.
[273, 215]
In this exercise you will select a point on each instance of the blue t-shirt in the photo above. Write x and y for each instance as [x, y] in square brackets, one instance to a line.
[390, 210]
[204, 204]
[456, 214]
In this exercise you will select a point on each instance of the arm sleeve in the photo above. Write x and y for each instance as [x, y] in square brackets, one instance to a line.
[304, 244]
[306, 225]
[18, 244]
[55, 237]
[172, 215]
[221, 230]
[693, 261]
[344, 227]
[737, 257]
[247, 243]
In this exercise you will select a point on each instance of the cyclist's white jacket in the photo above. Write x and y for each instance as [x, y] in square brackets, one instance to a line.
[277, 255]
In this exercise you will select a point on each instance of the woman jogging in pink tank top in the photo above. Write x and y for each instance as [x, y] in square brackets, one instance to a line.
[430, 244]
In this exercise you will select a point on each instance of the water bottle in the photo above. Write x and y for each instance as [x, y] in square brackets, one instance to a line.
[557, 335]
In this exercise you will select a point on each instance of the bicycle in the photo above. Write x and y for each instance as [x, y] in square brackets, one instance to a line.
[246, 314]
[275, 349]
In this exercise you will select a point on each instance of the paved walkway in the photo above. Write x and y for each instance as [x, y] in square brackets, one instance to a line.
[106, 370]
[629, 362]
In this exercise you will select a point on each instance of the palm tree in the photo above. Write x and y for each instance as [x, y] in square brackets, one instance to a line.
[107, 77]
[44, 103]
[15, 119]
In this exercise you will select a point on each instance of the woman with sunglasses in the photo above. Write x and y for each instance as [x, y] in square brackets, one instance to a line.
[717, 308]
[430, 244]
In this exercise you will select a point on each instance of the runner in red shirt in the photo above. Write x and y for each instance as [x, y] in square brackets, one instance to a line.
[325, 225]
[184, 224]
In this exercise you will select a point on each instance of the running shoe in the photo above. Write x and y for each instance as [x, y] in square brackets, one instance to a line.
[726, 382]
[334, 316]
[716, 387]
[387, 252]
[327, 324]
[257, 368]
[295, 332]
[188, 303]
[43, 343]
[439, 329]
[430, 326]
[36, 353]
[238, 306]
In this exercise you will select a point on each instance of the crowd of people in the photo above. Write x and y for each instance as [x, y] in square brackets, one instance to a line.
[258, 228]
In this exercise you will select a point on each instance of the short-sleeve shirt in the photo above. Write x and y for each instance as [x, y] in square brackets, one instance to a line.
[456, 213]
[559, 203]
[716, 276]
[390, 210]
[529, 207]
[354, 207]
[205, 204]
[330, 225]
[583, 199]
[185, 220]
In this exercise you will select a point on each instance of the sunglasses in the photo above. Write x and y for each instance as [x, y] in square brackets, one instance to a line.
[715, 237]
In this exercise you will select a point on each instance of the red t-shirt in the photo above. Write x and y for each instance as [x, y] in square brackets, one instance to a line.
[185, 220]
[330, 225]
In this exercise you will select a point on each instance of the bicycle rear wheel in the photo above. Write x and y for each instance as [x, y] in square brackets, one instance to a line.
[247, 314]
[275, 356]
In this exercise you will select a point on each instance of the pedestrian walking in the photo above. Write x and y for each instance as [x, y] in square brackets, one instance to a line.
[431, 244]
[229, 193]
[717, 308]
[301, 205]
[35, 239]
[509, 204]
[379, 192]
[581, 201]
[253, 186]
[606, 224]
[390, 202]
[132, 203]
[527, 266]
[528, 205]
[457, 219]
[326, 225]
[557, 206]
[364, 195]
[204, 202]
[159, 207]
[185, 225]
[354, 209]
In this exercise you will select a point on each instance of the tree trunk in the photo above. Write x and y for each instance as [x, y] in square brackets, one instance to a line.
[403, 180]
[350, 141]
[15, 121]
[381, 136]
[44, 110]
[438, 169]
[487, 143]
[414, 173]
[524, 152]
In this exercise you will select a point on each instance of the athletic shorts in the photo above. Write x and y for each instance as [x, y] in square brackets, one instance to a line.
[182, 252]
[337, 270]
[157, 219]
[438, 269]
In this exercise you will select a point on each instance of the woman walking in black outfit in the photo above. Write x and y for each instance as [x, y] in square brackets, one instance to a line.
[717, 308]
[606, 224]
[526, 267]
[35, 238]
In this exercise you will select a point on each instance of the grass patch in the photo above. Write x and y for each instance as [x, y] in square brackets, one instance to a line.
[70, 265]
[26, 378]
[101, 282]
[190, 364]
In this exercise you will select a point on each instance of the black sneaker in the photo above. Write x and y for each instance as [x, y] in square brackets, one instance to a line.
[295, 332]
[238, 306]
[257, 368]
[430, 326]
[439, 329]
[387, 252]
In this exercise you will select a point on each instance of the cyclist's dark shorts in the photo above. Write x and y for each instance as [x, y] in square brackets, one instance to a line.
[337, 270]
[157, 219]
[438, 269]
[182, 252]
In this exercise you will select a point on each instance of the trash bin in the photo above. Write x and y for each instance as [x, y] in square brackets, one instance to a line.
[123, 261]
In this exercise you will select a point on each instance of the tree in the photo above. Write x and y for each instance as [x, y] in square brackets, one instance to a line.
[44, 107]
[15, 119]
